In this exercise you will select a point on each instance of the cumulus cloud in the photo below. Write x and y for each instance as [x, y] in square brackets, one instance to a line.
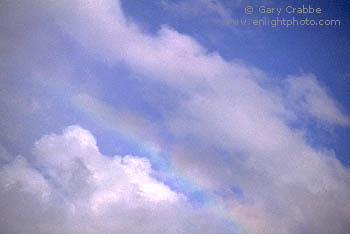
[71, 187]
[228, 130]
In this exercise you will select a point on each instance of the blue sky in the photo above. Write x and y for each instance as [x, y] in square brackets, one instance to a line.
[160, 117]
[278, 51]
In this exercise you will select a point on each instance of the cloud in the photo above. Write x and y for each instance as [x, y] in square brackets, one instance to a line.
[4, 155]
[307, 94]
[74, 188]
[228, 130]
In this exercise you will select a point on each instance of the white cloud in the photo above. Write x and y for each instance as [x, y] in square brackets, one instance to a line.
[74, 162]
[77, 189]
[307, 94]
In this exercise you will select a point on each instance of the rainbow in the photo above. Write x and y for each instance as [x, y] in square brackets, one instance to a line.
[107, 118]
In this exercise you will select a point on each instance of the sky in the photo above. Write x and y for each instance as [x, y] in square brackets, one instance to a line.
[160, 116]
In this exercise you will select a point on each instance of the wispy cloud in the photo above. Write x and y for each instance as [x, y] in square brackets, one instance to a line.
[306, 93]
